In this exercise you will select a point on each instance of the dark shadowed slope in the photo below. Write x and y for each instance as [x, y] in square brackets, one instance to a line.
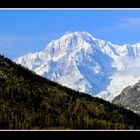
[129, 98]
[28, 101]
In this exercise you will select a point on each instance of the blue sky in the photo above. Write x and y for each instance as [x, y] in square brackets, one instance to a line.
[24, 31]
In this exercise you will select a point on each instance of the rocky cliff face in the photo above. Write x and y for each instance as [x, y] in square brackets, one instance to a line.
[129, 98]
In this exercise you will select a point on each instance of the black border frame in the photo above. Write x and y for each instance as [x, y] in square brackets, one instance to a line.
[64, 135]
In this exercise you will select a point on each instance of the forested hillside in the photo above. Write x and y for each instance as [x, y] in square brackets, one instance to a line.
[28, 101]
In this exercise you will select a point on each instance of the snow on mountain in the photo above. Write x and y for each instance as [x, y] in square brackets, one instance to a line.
[82, 62]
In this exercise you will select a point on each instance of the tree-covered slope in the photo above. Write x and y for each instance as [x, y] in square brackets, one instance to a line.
[28, 101]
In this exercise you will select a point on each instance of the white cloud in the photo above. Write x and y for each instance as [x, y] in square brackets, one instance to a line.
[133, 66]
[132, 23]
[11, 38]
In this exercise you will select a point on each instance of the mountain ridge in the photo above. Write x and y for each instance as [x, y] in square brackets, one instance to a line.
[129, 98]
[80, 61]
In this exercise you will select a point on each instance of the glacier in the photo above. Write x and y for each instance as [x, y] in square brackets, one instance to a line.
[84, 63]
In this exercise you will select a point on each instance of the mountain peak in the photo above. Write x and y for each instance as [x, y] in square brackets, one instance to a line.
[78, 34]
[70, 41]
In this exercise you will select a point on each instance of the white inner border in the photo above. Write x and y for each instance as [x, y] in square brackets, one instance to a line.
[69, 8]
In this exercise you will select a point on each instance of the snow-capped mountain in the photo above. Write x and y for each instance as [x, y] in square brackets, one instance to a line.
[82, 62]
